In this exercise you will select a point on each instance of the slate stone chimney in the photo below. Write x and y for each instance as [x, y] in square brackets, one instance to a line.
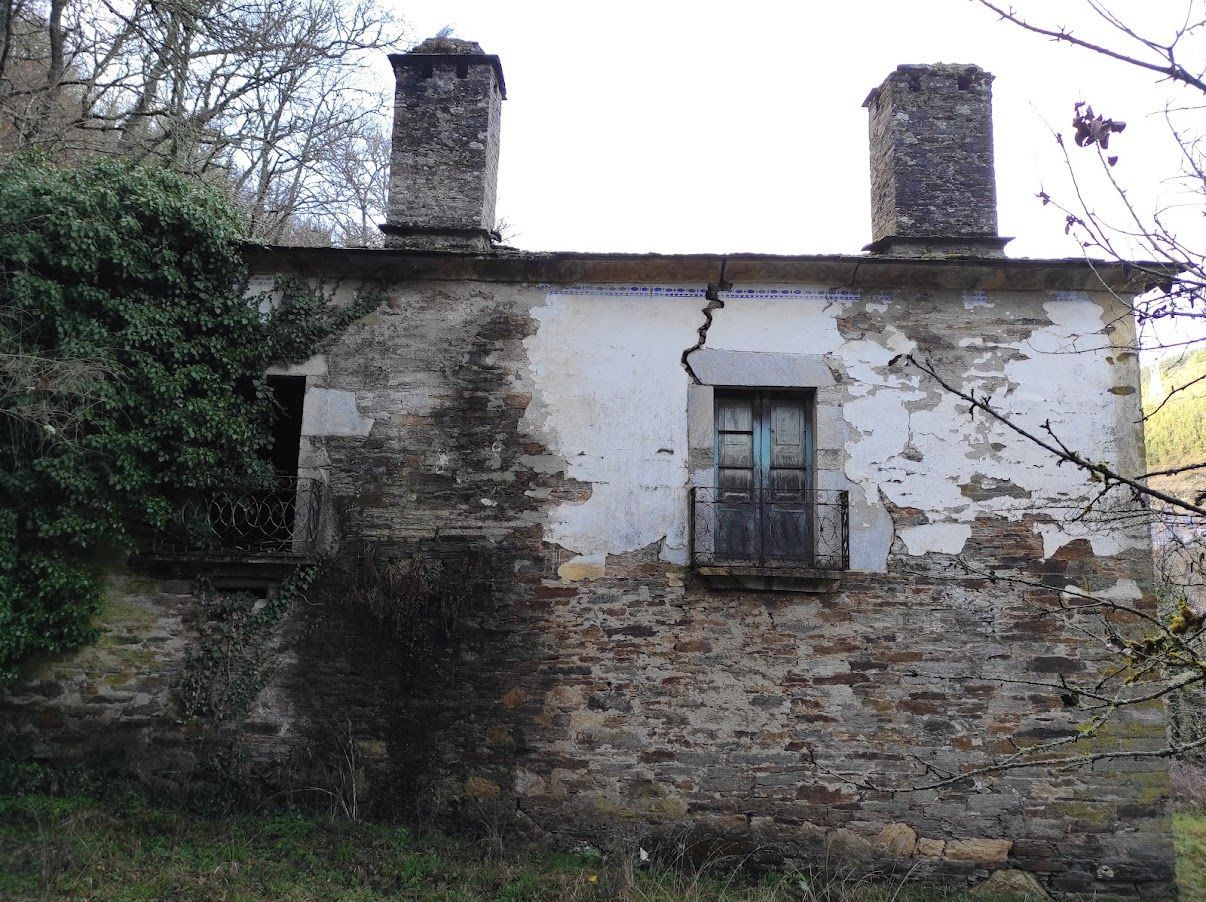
[444, 166]
[933, 188]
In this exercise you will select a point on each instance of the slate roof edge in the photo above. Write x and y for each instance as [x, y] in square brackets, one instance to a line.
[850, 270]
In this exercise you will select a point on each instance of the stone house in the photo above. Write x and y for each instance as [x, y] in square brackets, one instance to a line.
[714, 556]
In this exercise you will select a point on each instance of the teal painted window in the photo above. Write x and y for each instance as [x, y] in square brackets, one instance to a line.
[764, 474]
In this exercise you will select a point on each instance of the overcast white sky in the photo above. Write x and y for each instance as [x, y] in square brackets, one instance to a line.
[699, 126]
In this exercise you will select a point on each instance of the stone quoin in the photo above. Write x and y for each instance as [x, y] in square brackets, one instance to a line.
[707, 540]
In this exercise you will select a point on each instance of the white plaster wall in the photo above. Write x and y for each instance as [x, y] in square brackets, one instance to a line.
[610, 400]
[610, 397]
[787, 325]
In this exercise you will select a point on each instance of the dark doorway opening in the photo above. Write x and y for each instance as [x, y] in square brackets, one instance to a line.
[288, 396]
[274, 515]
[267, 519]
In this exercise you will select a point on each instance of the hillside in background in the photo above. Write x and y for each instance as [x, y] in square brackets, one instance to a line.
[1176, 427]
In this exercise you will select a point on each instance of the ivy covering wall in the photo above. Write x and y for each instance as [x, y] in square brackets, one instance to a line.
[132, 374]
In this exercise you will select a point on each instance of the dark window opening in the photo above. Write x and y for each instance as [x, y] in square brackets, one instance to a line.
[288, 398]
[462, 70]
[266, 517]
[427, 70]
[277, 515]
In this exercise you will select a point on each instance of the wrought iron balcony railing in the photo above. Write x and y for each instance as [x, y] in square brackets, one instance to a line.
[768, 530]
[280, 519]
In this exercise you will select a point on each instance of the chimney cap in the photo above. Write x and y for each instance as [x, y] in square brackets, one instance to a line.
[910, 73]
[449, 50]
[444, 45]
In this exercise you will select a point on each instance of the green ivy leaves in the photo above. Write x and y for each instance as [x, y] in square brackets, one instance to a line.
[224, 674]
[132, 373]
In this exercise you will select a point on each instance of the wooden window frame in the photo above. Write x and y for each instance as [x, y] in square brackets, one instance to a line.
[780, 528]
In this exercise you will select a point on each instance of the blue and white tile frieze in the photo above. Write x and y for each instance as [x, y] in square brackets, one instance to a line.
[789, 293]
[756, 292]
[624, 290]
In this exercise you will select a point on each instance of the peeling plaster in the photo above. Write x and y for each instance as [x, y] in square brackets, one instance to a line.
[610, 398]
[1122, 591]
[610, 394]
[944, 538]
[584, 566]
[1059, 374]
[882, 425]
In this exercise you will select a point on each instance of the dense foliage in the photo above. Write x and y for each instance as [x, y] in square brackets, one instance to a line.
[132, 373]
[1176, 425]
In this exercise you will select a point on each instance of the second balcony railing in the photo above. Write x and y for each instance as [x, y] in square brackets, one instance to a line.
[281, 518]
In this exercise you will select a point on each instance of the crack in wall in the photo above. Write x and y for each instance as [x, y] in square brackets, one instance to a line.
[712, 295]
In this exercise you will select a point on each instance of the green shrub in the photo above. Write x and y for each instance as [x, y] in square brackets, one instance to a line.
[1175, 431]
[132, 373]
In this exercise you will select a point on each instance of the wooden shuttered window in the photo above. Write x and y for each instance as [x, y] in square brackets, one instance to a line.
[763, 476]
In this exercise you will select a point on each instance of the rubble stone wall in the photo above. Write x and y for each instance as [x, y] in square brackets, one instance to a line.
[587, 687]
[932, 153]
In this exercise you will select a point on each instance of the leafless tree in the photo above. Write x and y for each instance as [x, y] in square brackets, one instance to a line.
[1163, 243]
[356, 185]
[1141, 655]
[1151, 654]
[262, 96]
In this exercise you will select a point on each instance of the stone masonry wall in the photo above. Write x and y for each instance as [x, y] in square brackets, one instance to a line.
[444, 164]
[589, 688]
[621, 695]
[931, 153]
[110, 704]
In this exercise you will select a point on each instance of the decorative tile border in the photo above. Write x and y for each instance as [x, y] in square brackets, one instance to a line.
[627, 291]
[775, 294]
[677, 292]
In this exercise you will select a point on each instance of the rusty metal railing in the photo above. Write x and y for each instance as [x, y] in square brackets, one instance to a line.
[279, 519]
[771, 530]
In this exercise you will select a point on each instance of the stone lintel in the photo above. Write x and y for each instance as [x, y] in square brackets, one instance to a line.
[760, 368]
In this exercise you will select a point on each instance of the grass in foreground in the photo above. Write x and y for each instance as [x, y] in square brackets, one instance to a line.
[1189, 834]
[80, 848]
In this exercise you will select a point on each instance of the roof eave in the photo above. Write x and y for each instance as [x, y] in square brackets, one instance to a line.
[959, 272]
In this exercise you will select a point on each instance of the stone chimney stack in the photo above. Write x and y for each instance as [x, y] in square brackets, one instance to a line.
[933, 188]
[444, 167]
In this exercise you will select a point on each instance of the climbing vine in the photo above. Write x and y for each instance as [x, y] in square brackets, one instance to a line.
[232, 660]
[132, 374]
[413, 597]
